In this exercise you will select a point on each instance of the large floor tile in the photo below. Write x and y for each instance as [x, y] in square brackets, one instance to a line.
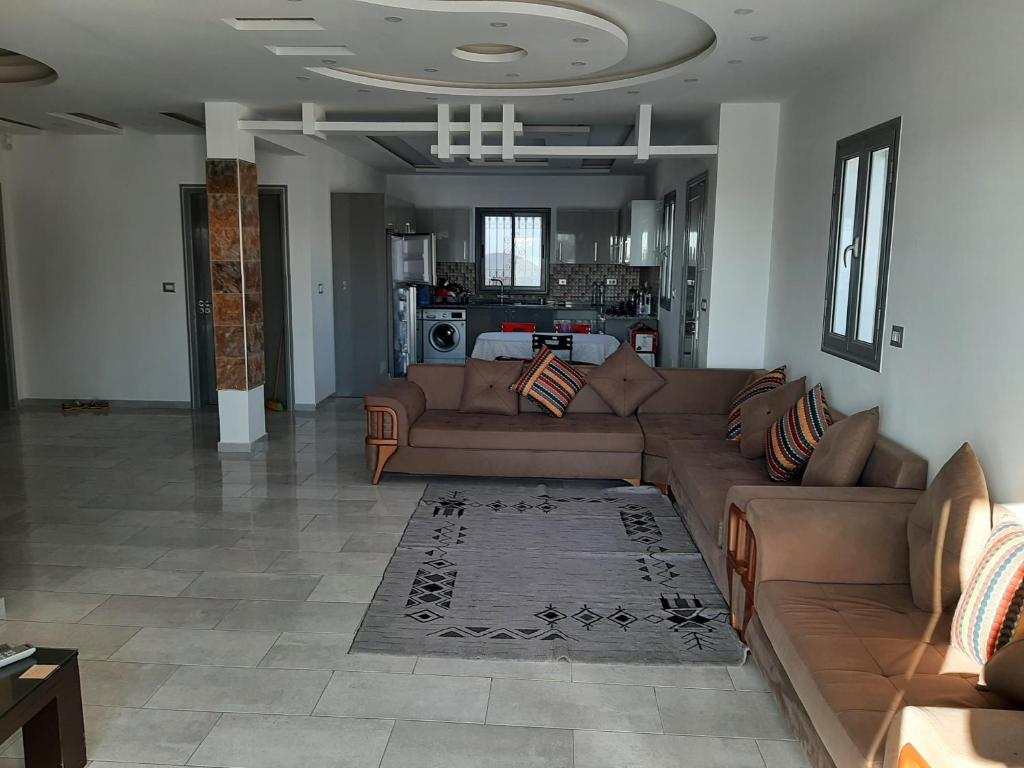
[92, 642]
[117, 684]
[783, 754]
[341, 618]
[748, 677]
[304, 650]
[50, 606]
[298, 541]
[574, 705]
[194, 538]
[459, 745]
[36, 577]
[108, 556]
[216, 559]
[690, 676]
[64, 533]
[260, 741]
[345, 588]
[526, 670]
[372, 542]
[247, 690]
[253, 586]
[145, 735]
[745, 714]
[352, 563]
[129, 581]
[131, 610]
[408, 697]
[596, 749]
[234, 648]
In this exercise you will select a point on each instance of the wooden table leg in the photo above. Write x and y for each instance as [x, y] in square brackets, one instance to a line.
[55, 737]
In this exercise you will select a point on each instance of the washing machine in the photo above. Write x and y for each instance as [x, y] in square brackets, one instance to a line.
[444, 335]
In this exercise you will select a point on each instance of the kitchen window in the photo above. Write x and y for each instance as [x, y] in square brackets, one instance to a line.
[513, 249]
[858, 264]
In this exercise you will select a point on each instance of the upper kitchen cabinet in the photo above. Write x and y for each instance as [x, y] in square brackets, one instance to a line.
[640, 227]
[452, 227]
[400, 216]
[587, 236]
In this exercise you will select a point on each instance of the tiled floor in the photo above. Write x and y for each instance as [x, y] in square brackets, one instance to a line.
[213, 600]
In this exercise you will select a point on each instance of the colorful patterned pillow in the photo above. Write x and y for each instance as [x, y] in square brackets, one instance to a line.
[760, 385]
[550, 382]
[990, 614]
[791, 440]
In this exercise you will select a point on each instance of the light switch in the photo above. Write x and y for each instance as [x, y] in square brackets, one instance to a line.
[562, 281]
[896, 340]
[169, 288]
[319, 287]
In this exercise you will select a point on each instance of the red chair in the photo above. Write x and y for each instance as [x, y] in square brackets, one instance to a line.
[518, 327]
[581, 327]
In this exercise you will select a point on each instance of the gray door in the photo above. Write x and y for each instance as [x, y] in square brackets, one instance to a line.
[8, 393]
[274, 274]
[693, 272]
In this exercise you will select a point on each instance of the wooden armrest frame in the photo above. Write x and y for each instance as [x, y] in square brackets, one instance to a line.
[385, 439]
[741, 560]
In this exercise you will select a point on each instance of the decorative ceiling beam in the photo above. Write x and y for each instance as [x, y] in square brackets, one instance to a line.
[444, 132]
[643, 133]
[508, 140]
[311, 115]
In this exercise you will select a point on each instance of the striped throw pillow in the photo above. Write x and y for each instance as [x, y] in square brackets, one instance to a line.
[791, 440]
[759, 386]
[550, 382]
[990, 614]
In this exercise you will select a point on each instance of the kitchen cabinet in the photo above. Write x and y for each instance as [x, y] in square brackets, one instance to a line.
[640, 226]
[452, 227]
[400, 216]
[587, 236]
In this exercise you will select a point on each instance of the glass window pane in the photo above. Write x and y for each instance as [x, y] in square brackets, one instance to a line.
[529, 249]
[844, 239]
[872, 251]
[498, 249]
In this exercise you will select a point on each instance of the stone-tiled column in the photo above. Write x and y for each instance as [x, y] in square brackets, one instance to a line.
[233, 197]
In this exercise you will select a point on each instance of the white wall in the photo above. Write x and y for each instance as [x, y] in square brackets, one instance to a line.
[957, 263]
[744, 197]
[94, 228]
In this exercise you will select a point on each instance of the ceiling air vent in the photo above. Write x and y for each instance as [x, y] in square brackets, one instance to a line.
[274, 24]
[185, 119]
[90, 121]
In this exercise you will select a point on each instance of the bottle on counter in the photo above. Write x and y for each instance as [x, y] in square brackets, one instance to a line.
[644, 308]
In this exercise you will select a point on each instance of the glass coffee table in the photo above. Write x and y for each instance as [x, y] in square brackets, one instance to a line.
[48, 710]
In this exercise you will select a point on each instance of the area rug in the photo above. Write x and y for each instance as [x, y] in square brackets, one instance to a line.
[545, 572]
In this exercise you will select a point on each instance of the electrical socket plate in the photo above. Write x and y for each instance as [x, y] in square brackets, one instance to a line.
[168, 287]
[562, 281]
[896, 339]
[611, 281]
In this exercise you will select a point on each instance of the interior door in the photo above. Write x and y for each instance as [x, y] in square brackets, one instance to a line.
[200, 296]
[693, 272]
[8, 394]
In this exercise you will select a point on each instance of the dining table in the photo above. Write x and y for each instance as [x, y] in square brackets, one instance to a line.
[592, 348]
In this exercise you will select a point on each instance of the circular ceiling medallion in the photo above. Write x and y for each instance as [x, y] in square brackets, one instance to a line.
[489, 53]
[16, 69]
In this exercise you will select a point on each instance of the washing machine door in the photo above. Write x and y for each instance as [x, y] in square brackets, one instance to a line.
[444, 337]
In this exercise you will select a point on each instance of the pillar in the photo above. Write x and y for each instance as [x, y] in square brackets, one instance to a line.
[233, 198]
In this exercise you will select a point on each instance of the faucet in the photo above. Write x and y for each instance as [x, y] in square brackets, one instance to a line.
[501, 293]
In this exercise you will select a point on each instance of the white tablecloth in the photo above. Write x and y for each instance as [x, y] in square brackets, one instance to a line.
[586, 347]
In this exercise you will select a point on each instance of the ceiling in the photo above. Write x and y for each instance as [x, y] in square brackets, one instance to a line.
[585, 65]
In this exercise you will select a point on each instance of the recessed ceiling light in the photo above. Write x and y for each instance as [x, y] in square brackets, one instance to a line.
[568, 98]
[512, 74]
[579, 63]
[431, 98]
[329, 61]
[430, 69]
[735, 61]
[499, 24]
[364, 90]
[690, 80]
[759, 38]
[581, 39]
[393, 19]
[743, 11]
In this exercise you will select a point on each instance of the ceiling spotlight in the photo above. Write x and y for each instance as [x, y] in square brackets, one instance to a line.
[735, 61]
[743, 11]
[633, 93]
[579, 63]
[302, 77]
[690, 80]
[759, 38]
[430, 69]
[581, 40]
[512, 74]
[499, 24]
[393, 19]
[431, 98]
[329, 61]
[363, 90]
[568, 98]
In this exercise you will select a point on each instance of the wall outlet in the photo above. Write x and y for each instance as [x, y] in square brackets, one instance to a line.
[896, 339]
[562, 281]
[611, 281]
[169, 288]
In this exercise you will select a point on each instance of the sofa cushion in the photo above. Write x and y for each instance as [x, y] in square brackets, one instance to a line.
[759, 413]
[791, 440]
[528, 431]
[696, 390]
[947, 531]
[758, 385]
[624, 381]
[840, 458]
[990, 614]
[856, 654]
[550, 382]
[660, 429]
[487, 387]
[1004, 673]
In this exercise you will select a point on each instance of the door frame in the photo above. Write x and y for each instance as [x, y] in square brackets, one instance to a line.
[700, 178]
[281, 192]
[6, 331]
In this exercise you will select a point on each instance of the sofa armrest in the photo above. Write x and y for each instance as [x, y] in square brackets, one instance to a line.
[830, 542]
[955, 737]
[392, 408]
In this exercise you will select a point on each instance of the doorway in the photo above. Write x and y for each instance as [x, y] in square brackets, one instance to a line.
[693, 272]
[8, 388]
[199, 294]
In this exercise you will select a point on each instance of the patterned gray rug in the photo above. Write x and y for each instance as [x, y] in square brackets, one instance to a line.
[570, 571]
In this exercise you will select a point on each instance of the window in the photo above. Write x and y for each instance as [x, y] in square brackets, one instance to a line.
[666, 246]
[858, 263]
[513, 248]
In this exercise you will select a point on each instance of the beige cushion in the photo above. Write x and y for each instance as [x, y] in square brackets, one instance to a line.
[840, 458]
[1004, 672]
[947, 737]
[661, 429]
[624, 381]
[759, 413]
[486, 387]
[947, 531]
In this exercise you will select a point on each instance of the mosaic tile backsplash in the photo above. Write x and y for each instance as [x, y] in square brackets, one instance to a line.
[580, 279]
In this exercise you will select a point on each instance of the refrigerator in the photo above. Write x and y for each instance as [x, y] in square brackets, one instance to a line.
[412, 264]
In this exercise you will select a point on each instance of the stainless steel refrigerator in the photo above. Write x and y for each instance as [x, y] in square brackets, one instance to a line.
[413, 264]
